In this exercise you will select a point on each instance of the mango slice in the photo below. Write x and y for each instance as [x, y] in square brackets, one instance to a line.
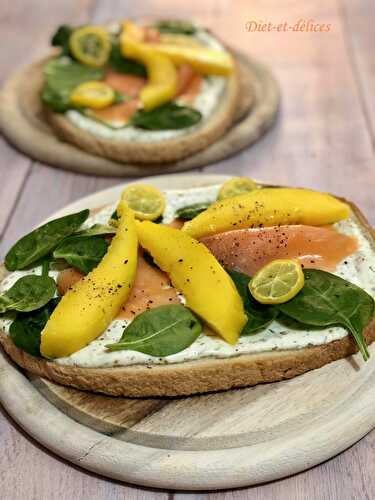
[205, 61]
[207, 288]
[133, 30]
[87, 309]
[161, 72]
[268, 207]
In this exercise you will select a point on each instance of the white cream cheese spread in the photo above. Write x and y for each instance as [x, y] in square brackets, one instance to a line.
[206, 102]
[358, 268]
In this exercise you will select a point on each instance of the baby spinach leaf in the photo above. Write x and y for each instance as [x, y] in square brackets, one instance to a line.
[46, 262]
[326, 300]
[28, 293]
[191, 211]
[160, 332]
[170, 116]
[54, 100]
[175, 26]
[61, 38]
[96, 230]
[25, 330]
[62, 75]
[115, 215]
[122, 64]
[43, 240]
[82, 252]
[259, 315]
[149, 259]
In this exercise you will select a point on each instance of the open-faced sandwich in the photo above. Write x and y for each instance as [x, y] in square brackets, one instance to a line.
[140, 92]
[188, 291]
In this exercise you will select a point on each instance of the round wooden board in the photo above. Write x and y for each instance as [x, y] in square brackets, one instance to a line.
[23, 124]
[222, 440]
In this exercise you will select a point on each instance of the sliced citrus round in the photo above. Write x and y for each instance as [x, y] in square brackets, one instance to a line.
[90, 45]
[277, 282]
[235, 186]
[96, 95]
[147, 202]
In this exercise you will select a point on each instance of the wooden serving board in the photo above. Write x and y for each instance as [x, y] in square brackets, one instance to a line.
[221, 440]
[22, 122]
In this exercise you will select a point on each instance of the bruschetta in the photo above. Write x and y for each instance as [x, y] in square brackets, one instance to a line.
[169, 293]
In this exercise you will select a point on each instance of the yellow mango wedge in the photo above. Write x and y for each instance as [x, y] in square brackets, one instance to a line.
[133, 31]
[208, 289]
[180, 40]
[205, 61]
[268, 207]
[161, 72]
[87, 309]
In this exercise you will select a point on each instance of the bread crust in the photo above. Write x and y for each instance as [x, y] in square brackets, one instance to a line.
[198, 376]
[182, 379]
[169, 150]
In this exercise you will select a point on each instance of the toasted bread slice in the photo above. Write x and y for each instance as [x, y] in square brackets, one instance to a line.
[167, 150]
[198, 376]
[204, 375]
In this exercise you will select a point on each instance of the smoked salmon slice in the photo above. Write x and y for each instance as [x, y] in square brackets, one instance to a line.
[119, 114]
[247, 250]
[130, 85]
[189, 86]
[151, 288]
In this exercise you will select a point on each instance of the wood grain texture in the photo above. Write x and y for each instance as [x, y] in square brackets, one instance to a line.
[358, 19]
[343, 417]
[323, 140]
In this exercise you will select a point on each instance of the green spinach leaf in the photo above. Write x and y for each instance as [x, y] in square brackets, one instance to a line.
[61, 38]
[170, 116]
[259, 315]
[122, 64]
[28, 293]
[179, 27]
[55, 100]
[115, 215]
[191, 211]
[96, 230]
[82, 252]
[26, 329]
[62, 75]
[160, 332]
[326, 300]
[43, 240]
